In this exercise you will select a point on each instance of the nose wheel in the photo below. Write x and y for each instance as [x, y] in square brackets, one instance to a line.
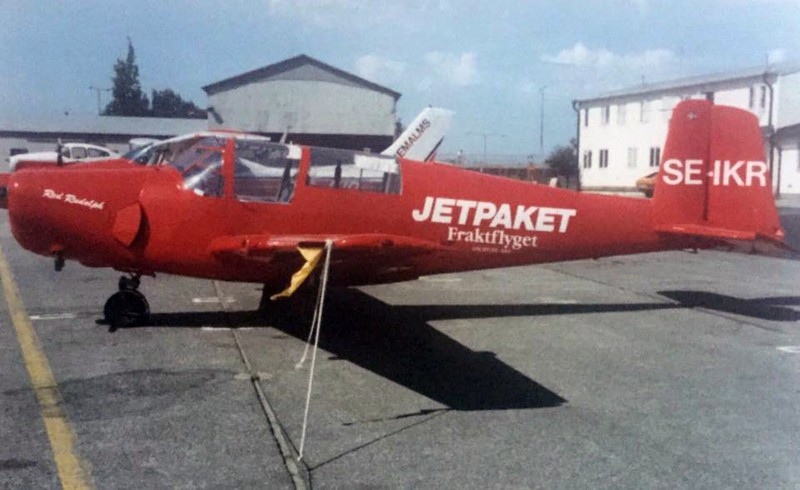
[127, 307]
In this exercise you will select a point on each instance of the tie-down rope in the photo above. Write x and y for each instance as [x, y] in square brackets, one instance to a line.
[316, 323]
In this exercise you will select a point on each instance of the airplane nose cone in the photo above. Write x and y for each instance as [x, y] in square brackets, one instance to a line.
[71, 213]
[33, 218]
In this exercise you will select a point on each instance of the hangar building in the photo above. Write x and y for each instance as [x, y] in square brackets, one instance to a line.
[316, 103]
[621, 134]
[313, 102]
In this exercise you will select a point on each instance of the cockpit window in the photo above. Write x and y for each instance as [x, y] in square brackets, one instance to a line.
[201, 166]
[346, 169]
[142, 155]
[265, 171]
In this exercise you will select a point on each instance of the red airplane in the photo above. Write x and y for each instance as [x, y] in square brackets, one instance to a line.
[235, 209]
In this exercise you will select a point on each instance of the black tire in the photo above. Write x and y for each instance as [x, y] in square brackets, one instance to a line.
[126, 308]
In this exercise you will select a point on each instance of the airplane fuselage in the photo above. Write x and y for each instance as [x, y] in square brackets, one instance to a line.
[142, 219]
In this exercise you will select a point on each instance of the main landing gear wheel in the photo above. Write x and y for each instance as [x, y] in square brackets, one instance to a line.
[127, 307]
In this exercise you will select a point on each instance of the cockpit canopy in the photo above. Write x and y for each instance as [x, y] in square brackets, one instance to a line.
[346, 169]
[267, 172]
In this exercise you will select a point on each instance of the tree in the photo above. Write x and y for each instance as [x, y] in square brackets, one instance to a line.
[128, 97]
[167, 103]
[563, 161]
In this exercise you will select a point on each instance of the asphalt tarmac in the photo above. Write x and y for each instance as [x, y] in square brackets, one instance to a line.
[669, 370]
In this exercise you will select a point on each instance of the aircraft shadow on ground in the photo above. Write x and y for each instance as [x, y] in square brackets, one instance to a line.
[774, 309]
[398, 343]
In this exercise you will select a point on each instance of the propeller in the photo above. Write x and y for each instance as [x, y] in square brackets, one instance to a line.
[59, 155]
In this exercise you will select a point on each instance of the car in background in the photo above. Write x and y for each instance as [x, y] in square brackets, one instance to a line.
[70, 153]
[647, 184]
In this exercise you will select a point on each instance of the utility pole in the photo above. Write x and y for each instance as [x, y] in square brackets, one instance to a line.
[541, 122]
[485, 137]
[98, 90]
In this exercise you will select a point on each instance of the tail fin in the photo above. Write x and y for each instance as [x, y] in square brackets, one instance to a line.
[423, 136]
[714, 180]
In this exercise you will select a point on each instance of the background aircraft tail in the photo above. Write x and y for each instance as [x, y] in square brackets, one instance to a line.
[422, 137]
[714, 180]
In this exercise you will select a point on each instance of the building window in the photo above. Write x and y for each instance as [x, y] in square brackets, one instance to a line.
[763, 101]
[621, 114]
[603, 158]
[606, 115]
[632, 157]
[587, 159]
[709, 96]
[644, 115]
[655, 156]
[586, 117]
[752, 98]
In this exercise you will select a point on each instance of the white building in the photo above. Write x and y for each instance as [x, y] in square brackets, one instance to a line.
[621, 134]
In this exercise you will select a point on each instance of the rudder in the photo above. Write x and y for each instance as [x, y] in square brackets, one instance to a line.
[714, 180]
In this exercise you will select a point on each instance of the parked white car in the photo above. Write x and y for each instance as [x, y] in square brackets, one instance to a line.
[70, 153]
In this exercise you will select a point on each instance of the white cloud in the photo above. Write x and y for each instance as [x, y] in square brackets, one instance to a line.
[581, 56]
[376, 68]
[433, 70]
[358, 14]
[776, 56]
[451, 68]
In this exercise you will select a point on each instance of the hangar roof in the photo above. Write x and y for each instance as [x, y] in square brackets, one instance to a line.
[91, 124]
[778, 69]
[292, 70]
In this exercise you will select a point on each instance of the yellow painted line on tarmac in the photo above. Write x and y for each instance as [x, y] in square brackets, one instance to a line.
[72, 471]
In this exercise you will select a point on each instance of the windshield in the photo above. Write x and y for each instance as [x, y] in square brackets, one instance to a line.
[201, 166]
[140, 155]
[161, 152]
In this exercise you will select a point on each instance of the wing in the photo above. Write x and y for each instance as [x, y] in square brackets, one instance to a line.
[355, 259]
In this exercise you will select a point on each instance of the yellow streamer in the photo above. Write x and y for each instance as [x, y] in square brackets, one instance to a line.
[312, 256]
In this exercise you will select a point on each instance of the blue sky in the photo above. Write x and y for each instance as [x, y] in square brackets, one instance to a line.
[486, 60]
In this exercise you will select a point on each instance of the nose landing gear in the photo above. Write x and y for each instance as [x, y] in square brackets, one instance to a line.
[127, 307]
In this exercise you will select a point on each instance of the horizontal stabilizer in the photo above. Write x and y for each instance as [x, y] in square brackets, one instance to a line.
[736, 240]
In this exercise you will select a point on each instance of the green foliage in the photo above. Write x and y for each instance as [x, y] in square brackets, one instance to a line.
[563, 161]
[128, 97]
[167, 103]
